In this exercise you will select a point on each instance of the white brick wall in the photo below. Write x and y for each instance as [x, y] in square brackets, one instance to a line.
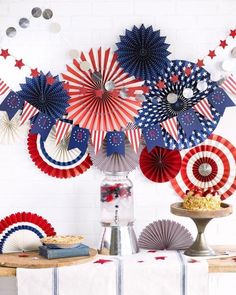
[72, 206]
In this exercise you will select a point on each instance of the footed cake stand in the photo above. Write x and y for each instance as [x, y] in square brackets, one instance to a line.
[201, 219]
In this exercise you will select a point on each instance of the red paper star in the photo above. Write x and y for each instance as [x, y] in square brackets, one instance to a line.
[66, 86]
[233, 33]
[4, 53]
[188, 71]
[212, 54]
[50, 80]
[152, 251]
[19, 63]
[174, 79]
[145, 89]
[102, 261]
[161, 85]
[160, 257]
[200, 63]
[223, 44]
[34, 72]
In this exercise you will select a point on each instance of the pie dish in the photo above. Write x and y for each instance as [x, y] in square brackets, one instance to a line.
[67, 241]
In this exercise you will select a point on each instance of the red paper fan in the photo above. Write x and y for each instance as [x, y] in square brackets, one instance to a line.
[25, 218]
[209, 165]
[102, 95]
[160, 165]
[55, 159]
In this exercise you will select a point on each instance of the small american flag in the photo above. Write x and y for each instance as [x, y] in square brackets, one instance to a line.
[229, 84]
[28, 112]
[4, 90]
[97, 138]
[62, 128]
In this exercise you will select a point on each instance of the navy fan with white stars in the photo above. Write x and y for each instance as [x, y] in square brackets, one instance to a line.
[142, 52]
[180, 103]
[46, 93]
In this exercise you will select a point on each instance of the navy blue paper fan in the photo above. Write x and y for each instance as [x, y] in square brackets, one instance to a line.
[142, 52]
[178, 76]
[49, 98]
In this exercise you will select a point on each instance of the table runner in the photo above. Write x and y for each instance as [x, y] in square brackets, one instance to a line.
[145, 273]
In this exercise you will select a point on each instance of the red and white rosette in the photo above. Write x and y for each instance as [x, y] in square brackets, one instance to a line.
[102, 96]
[209, 165]
[54, 158]
[160, 165]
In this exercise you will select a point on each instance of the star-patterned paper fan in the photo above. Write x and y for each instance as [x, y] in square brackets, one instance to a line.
[115, 162]
[178, 103]
[211, 165]
[45, 93]
[142, 52]
[54, 158]
[160, 165]
[102, 95]
[22, 231]
[10, 130]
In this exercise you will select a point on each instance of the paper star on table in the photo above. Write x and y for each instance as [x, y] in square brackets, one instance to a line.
[102, 261]
[19, 63]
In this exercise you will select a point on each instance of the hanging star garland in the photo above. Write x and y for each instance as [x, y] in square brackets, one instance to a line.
[142, 52]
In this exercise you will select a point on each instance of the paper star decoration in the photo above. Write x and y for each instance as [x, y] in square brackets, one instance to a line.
[223, 44]
[200, 63]
[161, 85]
[50, 80]
[19, 63]
[211, 54]
[4, 53]
[233, 33]
[34, 73]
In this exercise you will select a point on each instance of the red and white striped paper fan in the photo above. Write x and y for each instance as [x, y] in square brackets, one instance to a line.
[209, 165]
[95, 100]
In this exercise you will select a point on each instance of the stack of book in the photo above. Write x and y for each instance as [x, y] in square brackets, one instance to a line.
[53, 252]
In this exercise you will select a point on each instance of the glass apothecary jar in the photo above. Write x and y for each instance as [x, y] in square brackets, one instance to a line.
[117, 206]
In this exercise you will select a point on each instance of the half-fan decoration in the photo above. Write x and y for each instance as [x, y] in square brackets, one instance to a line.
[10, 130]
[22, 231]
[165, 234]
[160, 165]
[55, 159]
[184, 104]
[142, 52]
[211, 165]
[45, 97]
[115, 162]
[102, 96]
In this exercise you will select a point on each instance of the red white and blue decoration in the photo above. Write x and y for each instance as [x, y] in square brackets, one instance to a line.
[55, 159]
[210, 166]
[79, 139]
[11, 104]
[183, 104]
[102, 96]
[142, 52]
[22, 231]
[115, 143]
[160, 165]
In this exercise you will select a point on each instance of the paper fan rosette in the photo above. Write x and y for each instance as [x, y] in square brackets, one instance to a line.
[22, 231]
[10, 130]
[116, 162]
[102, 96]
[211, 165]
[160, 165]
[142, 52]
[184, 104]
[54, 158]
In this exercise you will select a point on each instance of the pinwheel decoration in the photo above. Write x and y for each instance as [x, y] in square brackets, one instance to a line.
[54, 158]
[184, 104]
[45, 93]
[102, 96]
[211, 165]
[160, 165]
[142, 52]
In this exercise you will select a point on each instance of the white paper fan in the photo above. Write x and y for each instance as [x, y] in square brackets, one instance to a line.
[165, 234]
[10, 130]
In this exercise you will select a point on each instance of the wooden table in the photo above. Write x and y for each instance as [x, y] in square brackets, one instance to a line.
[215, 265]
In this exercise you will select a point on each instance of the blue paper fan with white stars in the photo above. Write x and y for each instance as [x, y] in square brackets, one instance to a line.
[178, 103]
[142, 52]
[46, 93]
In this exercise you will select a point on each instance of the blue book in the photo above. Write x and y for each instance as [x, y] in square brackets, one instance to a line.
[81, 250]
